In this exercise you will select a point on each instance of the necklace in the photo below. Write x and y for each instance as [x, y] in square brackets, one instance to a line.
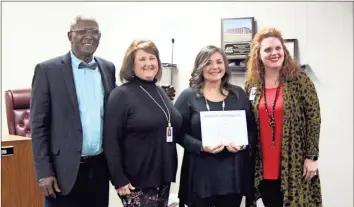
[208, 107]
[271, 116]
[168, 115]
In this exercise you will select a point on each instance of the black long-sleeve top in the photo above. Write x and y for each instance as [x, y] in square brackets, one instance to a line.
[134, 142]
[208, 174]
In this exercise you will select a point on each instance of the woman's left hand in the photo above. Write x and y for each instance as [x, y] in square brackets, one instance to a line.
[233, 148]
[310, 169]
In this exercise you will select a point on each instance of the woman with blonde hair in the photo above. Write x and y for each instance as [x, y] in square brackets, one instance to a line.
[140, 130]
[287, 111]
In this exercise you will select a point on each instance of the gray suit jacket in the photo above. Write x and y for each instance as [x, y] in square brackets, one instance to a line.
[55, 119]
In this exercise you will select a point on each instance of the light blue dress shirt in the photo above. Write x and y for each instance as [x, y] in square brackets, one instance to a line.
[89, 91]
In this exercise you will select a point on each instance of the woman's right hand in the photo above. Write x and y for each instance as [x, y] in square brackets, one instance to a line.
[213, 150]
[125, 190]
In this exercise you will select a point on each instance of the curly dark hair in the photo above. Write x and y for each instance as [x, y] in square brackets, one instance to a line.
[197, 79]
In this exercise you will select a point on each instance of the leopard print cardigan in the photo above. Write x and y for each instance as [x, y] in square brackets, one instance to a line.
[300, 138]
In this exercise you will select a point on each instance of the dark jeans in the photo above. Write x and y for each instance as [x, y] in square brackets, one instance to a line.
[229, 200]
[270, 193]
[91, 188]
[147, 197]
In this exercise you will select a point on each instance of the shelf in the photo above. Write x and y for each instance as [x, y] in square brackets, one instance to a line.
[238, 68]
[239, 73]
[305, 67]
[169, 65]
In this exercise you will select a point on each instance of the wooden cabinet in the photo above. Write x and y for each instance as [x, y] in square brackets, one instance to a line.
[18, 181]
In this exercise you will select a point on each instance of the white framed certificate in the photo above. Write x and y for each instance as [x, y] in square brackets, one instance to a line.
[224, 127]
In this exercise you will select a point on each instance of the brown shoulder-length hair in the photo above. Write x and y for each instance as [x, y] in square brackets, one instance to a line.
[255, 68]
[127, 70]
[197, 79]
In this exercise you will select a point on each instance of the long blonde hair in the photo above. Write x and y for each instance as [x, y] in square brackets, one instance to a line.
[255, 68]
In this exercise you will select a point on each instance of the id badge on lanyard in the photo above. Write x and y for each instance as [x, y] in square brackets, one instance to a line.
[253, 93]
[169, 134]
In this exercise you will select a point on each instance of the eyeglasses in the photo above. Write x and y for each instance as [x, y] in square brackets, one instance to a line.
[86, 31]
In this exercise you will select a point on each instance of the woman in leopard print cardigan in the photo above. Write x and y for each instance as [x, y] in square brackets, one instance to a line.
[287, 111]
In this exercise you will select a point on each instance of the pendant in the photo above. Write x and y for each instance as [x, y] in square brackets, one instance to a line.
[272, 122]
[169, 133]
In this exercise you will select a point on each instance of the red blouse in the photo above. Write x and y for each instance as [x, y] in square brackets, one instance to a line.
[270, 154]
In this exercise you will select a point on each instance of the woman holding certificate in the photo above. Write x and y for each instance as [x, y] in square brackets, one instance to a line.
[216, 170]
[287, 111]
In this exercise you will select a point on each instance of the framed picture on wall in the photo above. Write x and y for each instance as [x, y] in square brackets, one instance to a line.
[236, 36]
[291, 45]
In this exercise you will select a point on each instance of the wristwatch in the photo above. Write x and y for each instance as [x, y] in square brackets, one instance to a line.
[312, 157]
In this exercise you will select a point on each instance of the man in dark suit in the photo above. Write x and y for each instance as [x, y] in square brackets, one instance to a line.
[67, 108]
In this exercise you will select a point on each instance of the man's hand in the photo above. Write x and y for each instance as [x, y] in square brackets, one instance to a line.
[48, 186]
[170, 91]
[125, 190]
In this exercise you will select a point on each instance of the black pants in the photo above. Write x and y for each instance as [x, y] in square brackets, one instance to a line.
[91, 188]
[229, 200]
[270, 193]
[147, 197]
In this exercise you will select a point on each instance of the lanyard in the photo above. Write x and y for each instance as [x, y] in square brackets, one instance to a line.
[168, 112]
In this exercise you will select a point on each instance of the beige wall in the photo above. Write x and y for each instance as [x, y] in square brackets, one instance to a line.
[33, 32]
